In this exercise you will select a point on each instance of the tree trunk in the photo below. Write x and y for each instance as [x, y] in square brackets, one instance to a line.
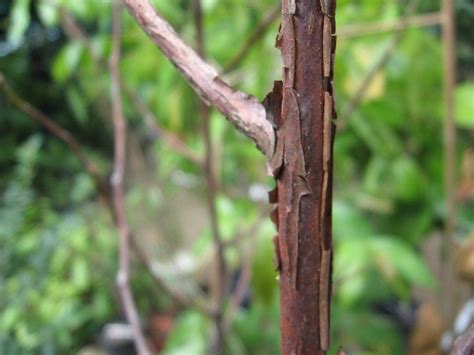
[301, 109]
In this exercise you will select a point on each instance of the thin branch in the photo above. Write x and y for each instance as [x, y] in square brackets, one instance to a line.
[383, 60]
[358, 30]
[220, 286]
[449, 53]
[117, 186]
[240, 288]
[449, 135]
[256, 35]
[72, 29]
[244, 111]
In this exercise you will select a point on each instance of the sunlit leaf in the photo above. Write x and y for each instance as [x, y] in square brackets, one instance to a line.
[464, 109]
[67, 61]
[47, 12]
[19, 21]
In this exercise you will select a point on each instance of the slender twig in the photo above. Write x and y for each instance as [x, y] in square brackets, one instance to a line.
[220, 286]
[241, 288]
[123, 274]
[73, 29]
[449, 53]
[243, 110]
[383, 60]
[449, 133]
[358, 30]
[256, 35]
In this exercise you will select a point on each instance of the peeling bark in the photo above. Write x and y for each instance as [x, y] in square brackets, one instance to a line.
[301, 109]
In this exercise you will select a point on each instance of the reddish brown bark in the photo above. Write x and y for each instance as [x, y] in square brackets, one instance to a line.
[302, 166]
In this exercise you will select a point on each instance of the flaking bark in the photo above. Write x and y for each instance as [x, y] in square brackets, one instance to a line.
[301, 109]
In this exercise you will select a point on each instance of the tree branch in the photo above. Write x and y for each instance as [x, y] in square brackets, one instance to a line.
[244, 111]
[449, 54]
[240, 288]
[449, 294]
[117, 186]
[219, 287]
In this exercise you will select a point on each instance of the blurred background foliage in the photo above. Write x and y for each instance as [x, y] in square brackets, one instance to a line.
[58, 242]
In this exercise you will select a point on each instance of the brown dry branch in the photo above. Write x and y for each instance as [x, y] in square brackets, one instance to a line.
[243, 110]
[219, 286]
[240, 288]
[256, 36]
[449, 53]
[381, 62]
[73, 30]
[118, 193]
[450, 294]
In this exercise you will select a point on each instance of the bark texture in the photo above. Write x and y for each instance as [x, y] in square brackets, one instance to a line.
[301, 109]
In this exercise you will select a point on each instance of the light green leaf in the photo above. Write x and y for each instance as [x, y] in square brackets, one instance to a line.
[48, 12]
[189, 336]
[405, 262]
[408, 183]
[77, 104]
[80, 273]
[67, 61]
[19, 21]
[464, 105]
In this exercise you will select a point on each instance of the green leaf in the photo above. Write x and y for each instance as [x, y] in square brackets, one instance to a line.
[263, 269]
[406, 263]
[67, 61]
[349, 222]
[350, 266]
[408, 185]
[77, 104]
[189, 335]
[80, 273]
[19, 21]
[464, 105]
[47, 12]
